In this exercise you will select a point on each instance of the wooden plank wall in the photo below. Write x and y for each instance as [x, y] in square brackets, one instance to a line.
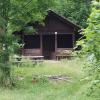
[31, 52]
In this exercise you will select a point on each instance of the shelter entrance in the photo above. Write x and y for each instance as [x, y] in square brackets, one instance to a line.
[48, 43]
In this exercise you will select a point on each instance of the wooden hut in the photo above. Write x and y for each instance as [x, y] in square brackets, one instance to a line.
[56, 36]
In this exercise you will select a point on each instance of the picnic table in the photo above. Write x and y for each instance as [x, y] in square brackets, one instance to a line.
[23, 59]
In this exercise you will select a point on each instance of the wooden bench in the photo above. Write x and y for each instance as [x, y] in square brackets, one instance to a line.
[64, 54]
[58, 57]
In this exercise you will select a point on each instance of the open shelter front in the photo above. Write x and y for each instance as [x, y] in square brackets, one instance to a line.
[47, 44]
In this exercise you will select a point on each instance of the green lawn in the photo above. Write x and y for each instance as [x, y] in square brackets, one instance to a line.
[32, 83]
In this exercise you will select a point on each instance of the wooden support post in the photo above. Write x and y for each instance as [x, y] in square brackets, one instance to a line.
[55, 44]
[73, 40]
[41, 44]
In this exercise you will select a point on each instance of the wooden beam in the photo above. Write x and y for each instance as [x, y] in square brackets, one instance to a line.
[73, 39]
[55, 44]
[41, 44]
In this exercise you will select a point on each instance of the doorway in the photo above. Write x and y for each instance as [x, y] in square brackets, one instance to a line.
[48, 46]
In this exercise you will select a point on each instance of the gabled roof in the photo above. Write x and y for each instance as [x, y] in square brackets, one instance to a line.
[63, 19]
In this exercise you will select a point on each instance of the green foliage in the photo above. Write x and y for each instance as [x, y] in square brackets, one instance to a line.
[14, 15]
[91, 45]
[75, 10]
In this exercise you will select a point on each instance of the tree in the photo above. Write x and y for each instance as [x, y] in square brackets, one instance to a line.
[75, 10]
[91, 45]
[14, 15]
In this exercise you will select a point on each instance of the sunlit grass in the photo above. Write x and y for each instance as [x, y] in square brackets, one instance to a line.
[44, 89]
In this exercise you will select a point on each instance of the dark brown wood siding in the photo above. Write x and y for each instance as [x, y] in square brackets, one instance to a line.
[56, 30]
[53, 24]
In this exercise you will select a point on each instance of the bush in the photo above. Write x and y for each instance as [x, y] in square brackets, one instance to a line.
[91, 46]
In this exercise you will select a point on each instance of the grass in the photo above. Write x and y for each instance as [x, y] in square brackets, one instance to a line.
[43, 89]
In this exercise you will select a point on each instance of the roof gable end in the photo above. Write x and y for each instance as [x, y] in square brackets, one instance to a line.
[63, 19]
